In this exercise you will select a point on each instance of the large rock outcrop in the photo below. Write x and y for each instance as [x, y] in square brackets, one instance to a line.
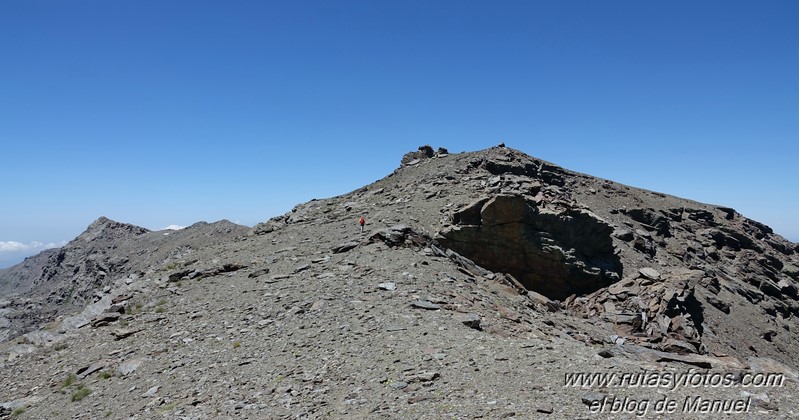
[555, 253]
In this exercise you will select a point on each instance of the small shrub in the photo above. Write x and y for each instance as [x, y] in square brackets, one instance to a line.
[167, 408]
[81, 393]
[69, 381]
[134, 309]
[69, 297]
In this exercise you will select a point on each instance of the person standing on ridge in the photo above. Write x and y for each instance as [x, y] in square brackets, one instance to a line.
[362, 222]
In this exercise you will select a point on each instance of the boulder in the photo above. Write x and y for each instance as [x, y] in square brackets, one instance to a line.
[470, 320]
[105, 319]
[644, 354]
[791, 271]
[424, 152]
[397, 236]
[650, 273]
[94, 367]
[769, 365]
[129, 366]
[258, 273]
[624, 235]
[651, 220]
[344, 247]
[425, 304]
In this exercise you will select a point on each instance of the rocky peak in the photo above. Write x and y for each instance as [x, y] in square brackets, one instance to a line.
[666, 272]
[107, 252]
[105, 228]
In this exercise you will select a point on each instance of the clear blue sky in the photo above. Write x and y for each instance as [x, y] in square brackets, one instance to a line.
[172, 112]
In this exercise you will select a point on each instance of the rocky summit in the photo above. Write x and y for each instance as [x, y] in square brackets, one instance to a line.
[487, 284]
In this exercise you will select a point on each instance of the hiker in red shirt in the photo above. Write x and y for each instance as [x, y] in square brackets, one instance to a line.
[362, 222]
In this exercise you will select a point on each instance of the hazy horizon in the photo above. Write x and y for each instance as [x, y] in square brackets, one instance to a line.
[10, 258]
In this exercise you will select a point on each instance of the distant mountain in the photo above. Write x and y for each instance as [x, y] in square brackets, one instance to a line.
[56, 281]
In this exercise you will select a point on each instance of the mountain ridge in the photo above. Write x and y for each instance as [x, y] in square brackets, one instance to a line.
[477, 244]
[62, 279]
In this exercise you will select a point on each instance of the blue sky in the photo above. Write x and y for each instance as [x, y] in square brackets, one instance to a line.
[171, 112]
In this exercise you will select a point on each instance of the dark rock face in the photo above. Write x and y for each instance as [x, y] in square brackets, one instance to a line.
[555, 253]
